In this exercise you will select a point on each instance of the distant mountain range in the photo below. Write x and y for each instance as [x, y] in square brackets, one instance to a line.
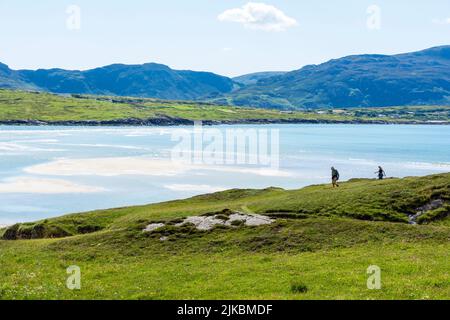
[149, 80]
[418, 78]
[253, 78]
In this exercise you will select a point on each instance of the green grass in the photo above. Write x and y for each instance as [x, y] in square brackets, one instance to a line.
[208, 267]
[320, 247]
[388, 200]
[20, 105]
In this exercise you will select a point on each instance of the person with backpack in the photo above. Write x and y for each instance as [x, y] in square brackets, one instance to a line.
[381, 173]
[334, 177]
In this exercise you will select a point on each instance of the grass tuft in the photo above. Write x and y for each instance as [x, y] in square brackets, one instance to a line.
[299, 288]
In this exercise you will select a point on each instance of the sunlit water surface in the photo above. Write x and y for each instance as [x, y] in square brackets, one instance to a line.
[49, 171]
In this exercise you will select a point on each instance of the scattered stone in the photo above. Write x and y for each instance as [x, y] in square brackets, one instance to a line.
[163, 239]
[209, 221]
[202, 223]
[252, 220]
[435, 204]
[432, 205]
[153, 227]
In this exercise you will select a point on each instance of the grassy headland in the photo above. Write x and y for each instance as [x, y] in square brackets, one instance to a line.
[323, 239]
[19, 107]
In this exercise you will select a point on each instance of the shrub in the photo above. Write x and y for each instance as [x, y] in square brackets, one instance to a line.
[11, 232]
[299, 288]
[56, 232]
[34, 231]
[88, 229]
[38, 231]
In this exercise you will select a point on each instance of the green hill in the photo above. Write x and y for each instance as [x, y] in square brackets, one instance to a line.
[253, 78]
[149, 80]
[371, 80]
[21, 107]
[319, 239]
[368, 80]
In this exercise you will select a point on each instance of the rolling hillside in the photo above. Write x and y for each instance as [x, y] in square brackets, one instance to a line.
[148, 80]
[418, 78]
[38, 108]
[318, 245]
[253, 78]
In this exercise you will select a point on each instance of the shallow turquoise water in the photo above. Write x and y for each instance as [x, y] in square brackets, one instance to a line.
[49, 171]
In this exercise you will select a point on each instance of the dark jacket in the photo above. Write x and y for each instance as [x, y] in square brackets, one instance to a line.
[335, 174]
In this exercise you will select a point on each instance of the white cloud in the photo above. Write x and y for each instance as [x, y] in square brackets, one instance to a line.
[44, 186]
[441, 21]
[259, 16]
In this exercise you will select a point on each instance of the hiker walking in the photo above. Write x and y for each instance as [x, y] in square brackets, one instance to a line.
[381, 173]
[334, 177]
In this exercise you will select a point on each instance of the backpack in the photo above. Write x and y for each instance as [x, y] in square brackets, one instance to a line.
[335, 174]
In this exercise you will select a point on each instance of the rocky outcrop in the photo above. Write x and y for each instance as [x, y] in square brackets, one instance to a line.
[209, 221]
[36, 231]
[432, 205]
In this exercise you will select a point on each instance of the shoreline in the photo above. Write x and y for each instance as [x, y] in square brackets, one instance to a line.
[168, 122]
[4, 226]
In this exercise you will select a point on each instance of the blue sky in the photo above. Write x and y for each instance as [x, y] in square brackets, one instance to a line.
[206, 35]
